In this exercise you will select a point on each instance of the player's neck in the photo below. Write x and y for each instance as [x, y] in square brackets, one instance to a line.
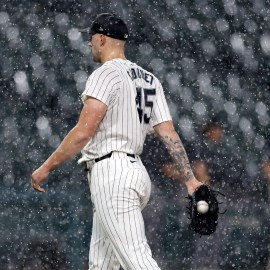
[113, 54]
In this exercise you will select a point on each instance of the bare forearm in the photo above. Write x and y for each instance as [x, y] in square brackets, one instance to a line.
[178, 154]
[91, 115]
[169, 136]
[72, 144]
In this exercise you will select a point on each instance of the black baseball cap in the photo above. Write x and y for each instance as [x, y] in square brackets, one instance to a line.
[109, 25]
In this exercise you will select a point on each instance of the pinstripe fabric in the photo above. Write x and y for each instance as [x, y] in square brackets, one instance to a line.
[101, 252]
[126, 89]
[119, 191]
[120, 186]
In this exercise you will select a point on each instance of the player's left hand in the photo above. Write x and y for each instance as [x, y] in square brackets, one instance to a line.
[192, 184]
[38, 177]
[203, 221]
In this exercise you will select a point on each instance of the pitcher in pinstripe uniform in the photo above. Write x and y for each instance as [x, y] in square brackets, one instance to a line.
[121, 101]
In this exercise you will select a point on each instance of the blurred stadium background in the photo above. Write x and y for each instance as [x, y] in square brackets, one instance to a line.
[213, 58]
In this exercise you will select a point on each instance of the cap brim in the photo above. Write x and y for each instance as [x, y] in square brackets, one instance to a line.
[85, 30]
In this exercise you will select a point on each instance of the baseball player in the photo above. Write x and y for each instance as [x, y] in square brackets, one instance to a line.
[121, 101]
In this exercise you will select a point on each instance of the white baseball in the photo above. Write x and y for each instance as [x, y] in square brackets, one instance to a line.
[202, 207]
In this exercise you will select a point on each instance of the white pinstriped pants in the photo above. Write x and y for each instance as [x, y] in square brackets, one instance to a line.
[120, 189]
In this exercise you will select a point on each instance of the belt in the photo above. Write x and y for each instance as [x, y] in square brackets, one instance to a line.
[104, 157]
[109, 155]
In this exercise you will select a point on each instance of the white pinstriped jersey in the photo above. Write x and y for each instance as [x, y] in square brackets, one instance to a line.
[135, 100]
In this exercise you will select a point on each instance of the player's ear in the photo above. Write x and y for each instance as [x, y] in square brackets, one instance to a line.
[102, 40]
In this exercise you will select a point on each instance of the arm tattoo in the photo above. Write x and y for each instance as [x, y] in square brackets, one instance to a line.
[179, 156]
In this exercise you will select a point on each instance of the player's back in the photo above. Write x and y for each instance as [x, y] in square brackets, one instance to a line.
[141, 85]
[134, 98]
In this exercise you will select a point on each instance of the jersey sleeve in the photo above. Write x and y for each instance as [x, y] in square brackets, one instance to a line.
[103, 84]
[160, 111]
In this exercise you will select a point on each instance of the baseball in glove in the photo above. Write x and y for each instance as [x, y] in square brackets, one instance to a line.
[203, 216]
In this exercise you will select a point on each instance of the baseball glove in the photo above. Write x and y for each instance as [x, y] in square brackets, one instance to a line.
[203, 222]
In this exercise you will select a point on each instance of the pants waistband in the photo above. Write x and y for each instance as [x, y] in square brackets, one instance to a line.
[107, 156]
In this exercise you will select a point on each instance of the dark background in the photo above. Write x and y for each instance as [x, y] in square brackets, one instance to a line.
[213, 59]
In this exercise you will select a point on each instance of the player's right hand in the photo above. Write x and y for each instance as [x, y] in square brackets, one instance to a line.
[38, 177]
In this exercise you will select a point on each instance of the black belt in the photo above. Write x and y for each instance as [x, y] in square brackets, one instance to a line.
[104, 157]
[109, 155]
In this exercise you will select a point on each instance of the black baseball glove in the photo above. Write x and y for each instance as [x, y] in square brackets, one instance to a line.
[204, 223]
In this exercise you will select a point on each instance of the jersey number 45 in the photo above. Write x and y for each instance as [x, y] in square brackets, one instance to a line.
[144, 105]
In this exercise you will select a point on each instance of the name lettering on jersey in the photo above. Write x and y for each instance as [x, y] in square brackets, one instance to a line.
[136, 73]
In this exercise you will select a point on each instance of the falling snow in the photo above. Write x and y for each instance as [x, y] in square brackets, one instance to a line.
[213, 59]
